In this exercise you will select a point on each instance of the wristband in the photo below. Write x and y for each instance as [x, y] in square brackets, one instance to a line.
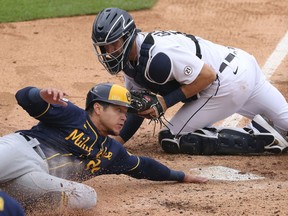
[176, 176]
[174, 97]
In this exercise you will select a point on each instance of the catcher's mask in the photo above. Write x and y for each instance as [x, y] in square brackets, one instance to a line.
[109, 93]
[109, 26]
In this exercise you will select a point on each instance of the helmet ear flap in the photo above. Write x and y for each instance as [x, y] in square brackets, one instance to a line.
[89, 100]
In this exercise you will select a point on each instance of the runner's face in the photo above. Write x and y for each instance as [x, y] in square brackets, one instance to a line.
[113, 118]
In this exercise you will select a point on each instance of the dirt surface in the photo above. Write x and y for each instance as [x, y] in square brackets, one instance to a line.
[58, 53]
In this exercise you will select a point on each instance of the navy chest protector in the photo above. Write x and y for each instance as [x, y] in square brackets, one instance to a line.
[138, 73]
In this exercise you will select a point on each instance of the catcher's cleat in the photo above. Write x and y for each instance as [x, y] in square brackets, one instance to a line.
[280, 144]
[168, 142]
[170, 146]
[274, 148]
[285, 150]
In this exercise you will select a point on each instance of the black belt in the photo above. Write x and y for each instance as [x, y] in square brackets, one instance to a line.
[25, 136]
[228, 58]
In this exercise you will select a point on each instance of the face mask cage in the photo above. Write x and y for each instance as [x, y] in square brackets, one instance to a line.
[114, 62]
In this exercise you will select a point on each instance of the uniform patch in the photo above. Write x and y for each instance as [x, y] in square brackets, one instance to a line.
[188, 70]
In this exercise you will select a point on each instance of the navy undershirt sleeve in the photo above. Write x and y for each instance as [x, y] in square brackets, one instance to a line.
[131, 125]
[29, 99]
[153, 170]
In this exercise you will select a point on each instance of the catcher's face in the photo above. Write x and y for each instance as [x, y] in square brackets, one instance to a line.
[115, 49]
[112, 55]
[111, 119]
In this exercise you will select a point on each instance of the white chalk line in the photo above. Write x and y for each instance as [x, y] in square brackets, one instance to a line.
[270, 66]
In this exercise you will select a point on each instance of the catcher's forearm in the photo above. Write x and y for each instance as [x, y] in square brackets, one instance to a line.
[131, 125]
[174, 97]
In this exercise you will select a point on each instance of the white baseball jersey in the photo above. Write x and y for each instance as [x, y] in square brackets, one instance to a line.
[240, 88]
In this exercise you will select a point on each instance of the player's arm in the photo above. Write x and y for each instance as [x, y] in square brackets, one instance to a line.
[186, 91]
[206, 77]
[35, 101]
[153, 170]
[122, 162]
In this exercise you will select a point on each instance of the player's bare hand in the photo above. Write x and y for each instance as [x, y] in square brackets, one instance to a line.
[53, 96]
[194, 179]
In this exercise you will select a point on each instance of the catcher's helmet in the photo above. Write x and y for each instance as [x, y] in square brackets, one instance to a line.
[109, 93]
[109, 26]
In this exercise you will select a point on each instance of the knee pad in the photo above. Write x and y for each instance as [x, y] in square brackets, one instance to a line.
[235, 142]
[193, 143]
[218, 142]
[198, 144]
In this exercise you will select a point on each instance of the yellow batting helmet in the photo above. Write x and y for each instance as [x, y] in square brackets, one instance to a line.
[109, 93]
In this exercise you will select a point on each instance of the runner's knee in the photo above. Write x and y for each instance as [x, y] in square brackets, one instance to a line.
[80, 197]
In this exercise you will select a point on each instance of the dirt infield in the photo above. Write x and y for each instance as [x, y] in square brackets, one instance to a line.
[58, 53]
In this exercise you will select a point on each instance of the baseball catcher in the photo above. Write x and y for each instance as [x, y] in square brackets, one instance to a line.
[212, 81]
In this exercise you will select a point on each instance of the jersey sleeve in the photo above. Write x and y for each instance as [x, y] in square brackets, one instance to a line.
[180, 54]
[186, 66]
[53, 114]
[29, 99]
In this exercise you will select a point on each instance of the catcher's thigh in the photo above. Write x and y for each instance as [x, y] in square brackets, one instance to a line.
[35, 186]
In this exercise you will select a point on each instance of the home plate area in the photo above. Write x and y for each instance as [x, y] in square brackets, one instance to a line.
[224, 174]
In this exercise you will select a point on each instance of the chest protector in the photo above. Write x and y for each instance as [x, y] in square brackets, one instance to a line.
[138, 73]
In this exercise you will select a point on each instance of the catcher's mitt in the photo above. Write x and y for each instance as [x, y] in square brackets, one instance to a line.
[144, 100]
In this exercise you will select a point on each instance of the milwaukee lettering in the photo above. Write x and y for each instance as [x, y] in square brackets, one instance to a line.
[79, 140]
[104, 153]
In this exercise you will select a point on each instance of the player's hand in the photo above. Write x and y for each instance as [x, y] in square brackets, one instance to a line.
[194, 179]
[53, 96]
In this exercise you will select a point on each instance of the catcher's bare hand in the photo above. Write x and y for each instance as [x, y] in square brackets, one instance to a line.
[194, 179]
[53, 96]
